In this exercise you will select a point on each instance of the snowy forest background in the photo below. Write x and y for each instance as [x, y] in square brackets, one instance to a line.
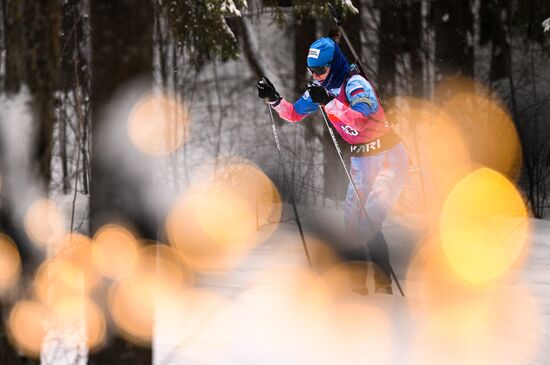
[65, 65]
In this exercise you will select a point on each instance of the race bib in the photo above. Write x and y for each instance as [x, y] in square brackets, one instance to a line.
[349, 130]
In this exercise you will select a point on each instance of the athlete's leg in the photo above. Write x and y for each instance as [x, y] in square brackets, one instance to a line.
[355, 250]
[387, 186]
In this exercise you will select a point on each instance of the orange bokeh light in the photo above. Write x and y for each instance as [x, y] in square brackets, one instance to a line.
[224, 214]
[483, 226]
[133, 317]
[439, 154]
[485, 324]
[445, 303]
[70, 272]
[485, 124]
[26, 326]
[56, 279]
[44, 222]
[158, 124]
[114, 251]
[160, 275]
[171, 268]
[10, 263]
[242, 179]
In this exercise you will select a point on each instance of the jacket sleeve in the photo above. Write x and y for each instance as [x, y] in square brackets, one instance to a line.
[297, 111]
[361, 95]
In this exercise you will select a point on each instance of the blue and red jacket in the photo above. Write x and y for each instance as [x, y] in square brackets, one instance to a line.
[355, 112]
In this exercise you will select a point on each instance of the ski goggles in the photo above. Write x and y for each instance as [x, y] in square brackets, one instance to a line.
[320, 70]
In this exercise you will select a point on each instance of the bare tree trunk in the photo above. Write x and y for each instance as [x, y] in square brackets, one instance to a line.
[75, 82]
[161, 42]
[415, 31]
[388, 47]
[122, 48]
[352, 26]
[540, 146]
[63, 152]
[83, 98]
[45, 69]
[33, 53]
[32, 59]
[14, 44]
[174, 158]
[305, 32]
[304, 35]
[251, 54]
[122, 43]
[454, 46]
[166, 53]
[492, 29]
[30, 39]
[527, 163]
[2, 45]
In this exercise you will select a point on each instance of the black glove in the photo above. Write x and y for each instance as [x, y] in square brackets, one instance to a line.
[319, 94]
[267, 91]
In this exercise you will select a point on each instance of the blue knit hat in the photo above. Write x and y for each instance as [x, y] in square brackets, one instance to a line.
[324, 51]
[320, 52]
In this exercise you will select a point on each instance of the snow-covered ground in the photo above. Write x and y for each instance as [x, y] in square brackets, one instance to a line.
[270, 310]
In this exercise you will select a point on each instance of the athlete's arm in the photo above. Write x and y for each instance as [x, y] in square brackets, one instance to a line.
[297, 111]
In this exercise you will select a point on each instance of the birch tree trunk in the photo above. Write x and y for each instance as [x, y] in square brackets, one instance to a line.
[122, 42]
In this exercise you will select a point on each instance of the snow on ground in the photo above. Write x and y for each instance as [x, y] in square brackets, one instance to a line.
[268, 311]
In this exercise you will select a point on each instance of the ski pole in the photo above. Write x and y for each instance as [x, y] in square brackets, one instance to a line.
[287, 183]
[339, 151]
[336, 18]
